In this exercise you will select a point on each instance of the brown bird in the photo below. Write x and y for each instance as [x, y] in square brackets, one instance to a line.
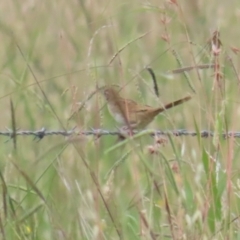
[131, 114]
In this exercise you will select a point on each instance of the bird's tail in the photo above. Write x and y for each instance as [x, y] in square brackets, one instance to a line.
[172, 104]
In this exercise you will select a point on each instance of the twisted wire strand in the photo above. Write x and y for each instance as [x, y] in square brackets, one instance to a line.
[43, 132]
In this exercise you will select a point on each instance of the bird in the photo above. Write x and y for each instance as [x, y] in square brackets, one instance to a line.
[131, 114]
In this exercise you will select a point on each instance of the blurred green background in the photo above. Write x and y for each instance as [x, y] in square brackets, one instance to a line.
[54, 54]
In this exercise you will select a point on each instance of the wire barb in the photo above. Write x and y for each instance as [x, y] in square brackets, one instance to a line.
[39, 135]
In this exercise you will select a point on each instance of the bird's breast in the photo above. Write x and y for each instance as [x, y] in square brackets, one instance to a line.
[116, 113]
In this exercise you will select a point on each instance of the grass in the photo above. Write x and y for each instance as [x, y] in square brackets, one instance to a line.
[54, 54]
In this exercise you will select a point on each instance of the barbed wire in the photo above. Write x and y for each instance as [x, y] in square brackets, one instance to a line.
[43, 132]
